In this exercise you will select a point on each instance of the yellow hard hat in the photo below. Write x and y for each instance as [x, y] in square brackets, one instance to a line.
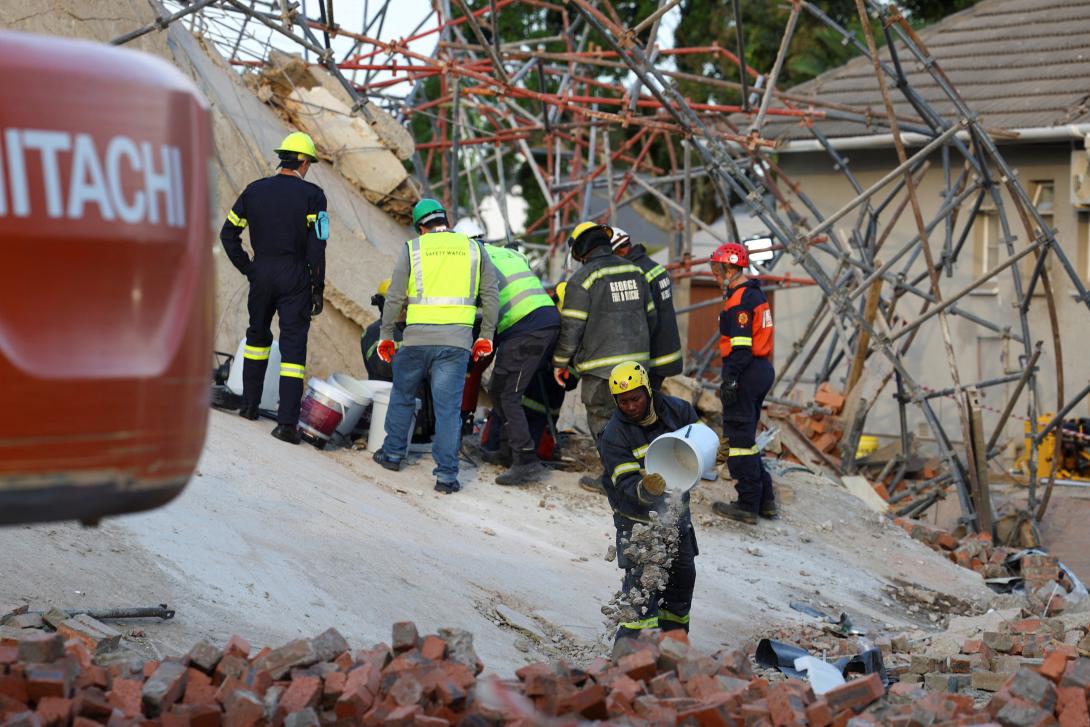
[586, 226]
[561, 288]
[627, 376]
[300, 143]
[383, 287]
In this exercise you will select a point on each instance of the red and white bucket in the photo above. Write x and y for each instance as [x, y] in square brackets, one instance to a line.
[324, 406]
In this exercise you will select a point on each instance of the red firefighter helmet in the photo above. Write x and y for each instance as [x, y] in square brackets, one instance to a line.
[731, 253]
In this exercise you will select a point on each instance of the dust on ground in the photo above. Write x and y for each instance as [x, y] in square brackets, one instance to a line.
[275, 542]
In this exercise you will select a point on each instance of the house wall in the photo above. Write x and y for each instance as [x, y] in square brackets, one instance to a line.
[980, 353]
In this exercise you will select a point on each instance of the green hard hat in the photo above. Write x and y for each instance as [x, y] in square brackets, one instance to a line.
[426, 209]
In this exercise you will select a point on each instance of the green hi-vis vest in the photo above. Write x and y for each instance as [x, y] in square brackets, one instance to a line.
[444, 278]
[520, 290]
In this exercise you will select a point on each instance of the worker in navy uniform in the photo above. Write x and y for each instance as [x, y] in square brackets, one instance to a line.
[289, 227]
[745, 343]
[641, 416]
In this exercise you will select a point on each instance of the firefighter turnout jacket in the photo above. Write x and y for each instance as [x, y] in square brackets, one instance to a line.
[607, 318]
[666, 353]
[745, 327]
[622, 448]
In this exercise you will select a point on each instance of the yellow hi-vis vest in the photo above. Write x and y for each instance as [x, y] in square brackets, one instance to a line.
[444, 279]
[521, 292]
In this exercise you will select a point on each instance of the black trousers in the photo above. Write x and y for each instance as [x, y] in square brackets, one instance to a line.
[669, 608]
[740, 420]
[278, 287]
[517, 360]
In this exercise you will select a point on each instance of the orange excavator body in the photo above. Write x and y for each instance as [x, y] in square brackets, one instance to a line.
[106, 285]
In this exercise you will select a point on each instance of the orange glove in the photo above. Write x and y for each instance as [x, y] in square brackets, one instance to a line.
[561, 375]
[482, 348]
[386, 350]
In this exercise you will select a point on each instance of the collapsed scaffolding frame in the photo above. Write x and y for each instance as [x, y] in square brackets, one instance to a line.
[586, 134]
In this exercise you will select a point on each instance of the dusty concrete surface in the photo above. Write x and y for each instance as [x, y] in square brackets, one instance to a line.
[273, 541]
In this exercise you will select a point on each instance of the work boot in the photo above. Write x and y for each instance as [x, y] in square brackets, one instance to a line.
[592, 483]
[500, 457]
[734, 511]
[248, 411]
[447, 488]
[394, 465]
[287, 433]
[770, 511]
[527, 469]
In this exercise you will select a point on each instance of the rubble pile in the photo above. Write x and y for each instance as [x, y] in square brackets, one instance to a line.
[988, 662]
[78, 677]
[1049, 588]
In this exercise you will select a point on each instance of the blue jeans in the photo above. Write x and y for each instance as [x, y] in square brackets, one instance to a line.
[445, 367]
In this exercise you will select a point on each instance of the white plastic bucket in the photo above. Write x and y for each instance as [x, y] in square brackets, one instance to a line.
[380, 402]
[682, 457]
[270, 392]
[359, 395]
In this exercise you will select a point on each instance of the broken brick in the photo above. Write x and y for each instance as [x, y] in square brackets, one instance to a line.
[303, 693]
[204, 656]
[165, 687]
[41, 648]
[855, 694]
[405, 636]
[54, 711]
[125, 695]
[640, 665]
[279, 662]
[95, 635]
[329, 644]
[1054, 666]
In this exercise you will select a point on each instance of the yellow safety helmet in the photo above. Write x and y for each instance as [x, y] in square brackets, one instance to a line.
[561, 288]
[299, 143]
[627, 376]
[383, 287]
[583, 227]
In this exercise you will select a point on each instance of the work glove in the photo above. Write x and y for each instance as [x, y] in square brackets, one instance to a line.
[654, 484]
[482, 348]
[721, 455]
[561, 376]
[386, 350]
[729, 392]
[317, 302]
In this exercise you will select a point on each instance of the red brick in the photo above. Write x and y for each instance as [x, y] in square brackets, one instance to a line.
[40, 647]
[855, 694]
[149, 668]
[676, 635]
[230, 665]
[174, 719]
[196, 676]
[14, 687]
[92, 703]
[819, 714]
[125, 695]
[360, 688]
[95, 676]
[589, 702]
[225, 690]
[244, 709]
[702, 687]
[1072, 707]
[972, 646]
[85, 722]
[433, 648]
[785, 707]
[1054, 666]
[402, 716]
[165, 687]
[237, 646]
[344, 662]
[200, 715]
[333, 686]
[407, 690]
[79, 652]
[54, 711]
[666, 686]
[946, 541]
[197, 693]
[304, 692]
[640, 665]
[9, 654]
[705, 716]
[1019, 713]
[1032, 687]
[49, 680]
[405, 636]
[423, 720]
